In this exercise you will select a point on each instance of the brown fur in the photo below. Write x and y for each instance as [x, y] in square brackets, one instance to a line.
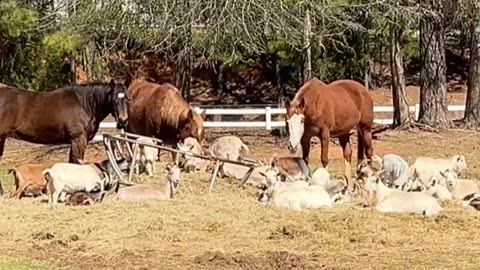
[158, 110]
[80, 198]
[289, 167]
[28, 179]
[70, 115]
[333, 110]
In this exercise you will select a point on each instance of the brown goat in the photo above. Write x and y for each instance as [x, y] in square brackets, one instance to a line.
[28, 179]
[292, 168]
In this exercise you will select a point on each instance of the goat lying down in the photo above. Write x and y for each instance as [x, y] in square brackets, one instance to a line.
[297, 195]
[396, 201]
[164, 190]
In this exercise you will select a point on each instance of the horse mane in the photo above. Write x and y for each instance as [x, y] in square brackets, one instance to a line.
[305, 87]
[173, 108]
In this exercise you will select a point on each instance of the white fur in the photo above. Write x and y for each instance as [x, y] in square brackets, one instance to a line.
[70, 177]
[425, 168]
[401, 202]
[145, 161]
[397, 170]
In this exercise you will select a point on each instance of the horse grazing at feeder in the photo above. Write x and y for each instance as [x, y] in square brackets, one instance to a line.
[331, 110]
[159, 111]
[69, 115]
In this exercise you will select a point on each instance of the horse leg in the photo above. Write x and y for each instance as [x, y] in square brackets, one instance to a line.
[368, 142]
[3, 138]
[347, 154]
[360, 147]
[305, 142]
[324, 141]
[77, 150]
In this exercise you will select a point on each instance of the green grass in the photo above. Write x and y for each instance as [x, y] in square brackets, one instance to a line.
[16, 264]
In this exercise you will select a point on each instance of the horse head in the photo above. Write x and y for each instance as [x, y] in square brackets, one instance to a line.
[192, 126]
[119, 101]
[295, 122]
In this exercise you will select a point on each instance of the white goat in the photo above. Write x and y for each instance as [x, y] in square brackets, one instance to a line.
[397, 170]
[145, 161]
[70, 177]
[340, 192]
[297, 195]
[191, 163]
[228, 147]
[425, 168]
[401, 202]
[463, 188]
[164, 190]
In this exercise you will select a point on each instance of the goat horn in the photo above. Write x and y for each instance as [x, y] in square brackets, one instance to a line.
[344, 177]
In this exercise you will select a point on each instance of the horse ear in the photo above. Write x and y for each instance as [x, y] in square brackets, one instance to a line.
[301, 105]
[203, 114]
[190, 113]
[112, 84]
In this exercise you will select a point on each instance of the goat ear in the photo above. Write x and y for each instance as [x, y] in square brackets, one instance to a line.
[444, 173]
[190, 114]
[191, 147]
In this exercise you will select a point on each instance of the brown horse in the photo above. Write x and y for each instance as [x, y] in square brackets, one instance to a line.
[331, 110]
[70, 115]
[158, 110]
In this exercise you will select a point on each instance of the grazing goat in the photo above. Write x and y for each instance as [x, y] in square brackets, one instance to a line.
[145, 161]
[164, 190]
[228, 147]
[191, 163]
[401, 202]
[425, 168]
[70, 177]
[28, 178]
[397, 170]
[463, 188]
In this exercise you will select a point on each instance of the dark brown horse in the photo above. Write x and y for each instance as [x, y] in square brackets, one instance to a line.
[70, 115]
[158, 110]
[331, 110]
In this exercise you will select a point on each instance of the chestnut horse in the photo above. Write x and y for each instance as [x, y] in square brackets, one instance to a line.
[159, 111]
[331, 110]
[70, 115]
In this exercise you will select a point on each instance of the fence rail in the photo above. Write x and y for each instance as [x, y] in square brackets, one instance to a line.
[269, 112]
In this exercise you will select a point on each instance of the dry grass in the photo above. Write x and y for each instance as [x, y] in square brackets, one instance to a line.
[228, 230]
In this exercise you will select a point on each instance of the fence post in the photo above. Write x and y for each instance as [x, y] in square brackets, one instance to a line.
[268, 118]
[417, 111]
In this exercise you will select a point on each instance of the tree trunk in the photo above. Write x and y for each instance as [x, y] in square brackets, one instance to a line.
[472, 106]
[183, 73]
[401, 113]
[433, 78]
[307, 55]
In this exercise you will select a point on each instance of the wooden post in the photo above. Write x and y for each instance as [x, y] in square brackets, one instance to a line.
[134, 160]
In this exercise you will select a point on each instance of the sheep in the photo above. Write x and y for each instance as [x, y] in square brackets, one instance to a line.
[191, 163]
[464, 187]
[424, 168]
[164, 190]
[391, 200]
[228, 147]
[397, 170]
[28, 178]
[70, 177]
[145, 161]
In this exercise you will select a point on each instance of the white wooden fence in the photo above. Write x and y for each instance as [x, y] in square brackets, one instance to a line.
[269, 112]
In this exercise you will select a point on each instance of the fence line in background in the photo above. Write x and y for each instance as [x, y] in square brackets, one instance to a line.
[268, 111]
